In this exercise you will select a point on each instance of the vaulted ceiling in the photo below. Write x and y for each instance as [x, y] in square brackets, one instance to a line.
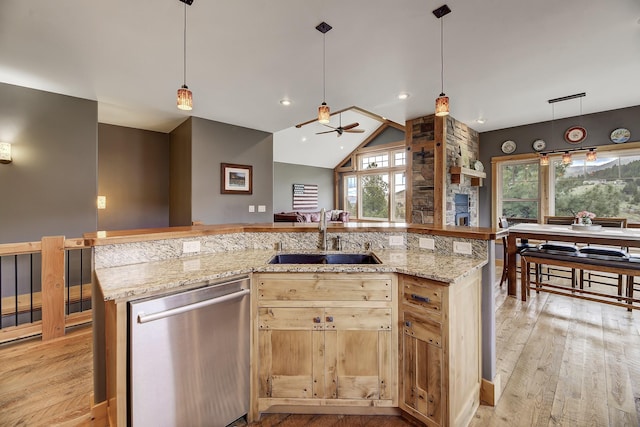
[503, 59]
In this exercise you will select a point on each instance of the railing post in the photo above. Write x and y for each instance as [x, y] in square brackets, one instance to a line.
[52, 287]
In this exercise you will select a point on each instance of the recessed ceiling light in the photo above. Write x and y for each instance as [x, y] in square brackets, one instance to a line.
[481, 120]
[285, 101]
[403, 95]
[304, 139]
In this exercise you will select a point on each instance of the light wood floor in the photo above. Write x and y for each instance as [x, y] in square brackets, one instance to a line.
[562, 362]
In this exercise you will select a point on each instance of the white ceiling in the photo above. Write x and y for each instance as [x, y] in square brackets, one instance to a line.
[503, 59]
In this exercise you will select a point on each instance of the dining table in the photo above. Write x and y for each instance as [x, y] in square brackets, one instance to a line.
[605, 236]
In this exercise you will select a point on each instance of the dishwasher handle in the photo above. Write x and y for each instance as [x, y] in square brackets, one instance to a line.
[144, 318]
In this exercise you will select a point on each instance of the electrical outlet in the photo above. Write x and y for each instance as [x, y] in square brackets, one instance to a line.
[262, 208]
[463, 248]
[396, 241]
[427, 243]
[252, 208]
[192, 246]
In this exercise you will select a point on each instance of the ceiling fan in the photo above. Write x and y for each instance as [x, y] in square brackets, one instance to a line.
[340, 129]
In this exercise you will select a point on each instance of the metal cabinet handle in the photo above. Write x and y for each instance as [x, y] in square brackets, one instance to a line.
[317, 320]
[420, 298]
[329, 318]
[144, 318]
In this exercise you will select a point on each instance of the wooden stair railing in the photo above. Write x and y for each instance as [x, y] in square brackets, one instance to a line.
[52, 299]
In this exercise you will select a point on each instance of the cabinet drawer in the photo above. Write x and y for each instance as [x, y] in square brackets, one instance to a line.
[291, 318]
[324, 287]
[425, 296]
[422, 329]
[362, 319]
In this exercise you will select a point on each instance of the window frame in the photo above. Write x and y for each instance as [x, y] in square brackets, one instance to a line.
[394, 168]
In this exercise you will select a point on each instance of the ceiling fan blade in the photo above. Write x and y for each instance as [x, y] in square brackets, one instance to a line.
[329, 126]
[354, 130]
[327, 131]
[352, 125]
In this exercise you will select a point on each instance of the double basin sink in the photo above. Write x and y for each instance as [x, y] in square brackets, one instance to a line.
[338, 258]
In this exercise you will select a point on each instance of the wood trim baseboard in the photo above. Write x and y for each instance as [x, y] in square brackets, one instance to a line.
[490, 391]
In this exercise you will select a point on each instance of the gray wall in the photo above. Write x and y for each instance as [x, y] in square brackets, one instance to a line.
[50, 188]
[286, 174]
[598, 125]
[213, 143]
[133, 174]
[180, 172]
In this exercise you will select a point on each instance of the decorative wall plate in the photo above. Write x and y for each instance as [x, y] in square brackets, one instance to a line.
[539, 145]
[508, 147]
[575, 135]
[620, 135]
[477, 165]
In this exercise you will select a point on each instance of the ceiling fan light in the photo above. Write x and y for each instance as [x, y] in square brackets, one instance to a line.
[324, 113]
[442, 105]
[185, 98]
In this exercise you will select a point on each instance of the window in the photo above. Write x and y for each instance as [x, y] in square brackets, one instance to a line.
[377, 190]
[519, 195]
[607, 187]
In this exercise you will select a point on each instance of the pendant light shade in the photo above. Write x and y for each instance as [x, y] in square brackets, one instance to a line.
[544, 159]
[185, 97]
[442, 102]
[566, 158]
[442, 105]
[324, 112]
[592, 156]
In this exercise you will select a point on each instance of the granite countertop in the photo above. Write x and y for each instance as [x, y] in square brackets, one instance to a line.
[135, 281]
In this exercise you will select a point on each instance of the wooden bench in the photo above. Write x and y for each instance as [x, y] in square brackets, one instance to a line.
[628, 266]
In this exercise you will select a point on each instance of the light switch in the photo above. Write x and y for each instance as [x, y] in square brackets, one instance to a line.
[252, 208]
[262, 208]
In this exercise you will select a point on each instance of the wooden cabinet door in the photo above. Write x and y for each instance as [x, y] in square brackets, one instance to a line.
[422, 370]
[358, 353]
[290, 347]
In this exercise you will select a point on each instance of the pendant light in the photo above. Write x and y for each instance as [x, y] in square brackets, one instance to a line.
[544, 159]
[185, 97]
[442, 102]
[566, 158]
[592, 156]
[324, 112]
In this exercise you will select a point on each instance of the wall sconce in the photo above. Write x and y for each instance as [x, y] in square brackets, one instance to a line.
[102, 202]
[5, 152]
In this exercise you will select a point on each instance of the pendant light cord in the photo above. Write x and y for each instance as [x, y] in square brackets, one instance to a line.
[184, 47]
[324, 67]
[442, 55]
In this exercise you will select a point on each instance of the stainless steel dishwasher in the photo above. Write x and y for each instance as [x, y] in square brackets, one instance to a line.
[189, 356]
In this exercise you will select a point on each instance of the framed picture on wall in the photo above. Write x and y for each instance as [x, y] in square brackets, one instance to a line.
[236, 179]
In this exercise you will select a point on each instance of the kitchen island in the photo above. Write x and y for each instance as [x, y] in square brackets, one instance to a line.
[408, 265]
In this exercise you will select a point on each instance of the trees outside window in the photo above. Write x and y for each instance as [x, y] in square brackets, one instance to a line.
[376, 191]
[608, 187]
